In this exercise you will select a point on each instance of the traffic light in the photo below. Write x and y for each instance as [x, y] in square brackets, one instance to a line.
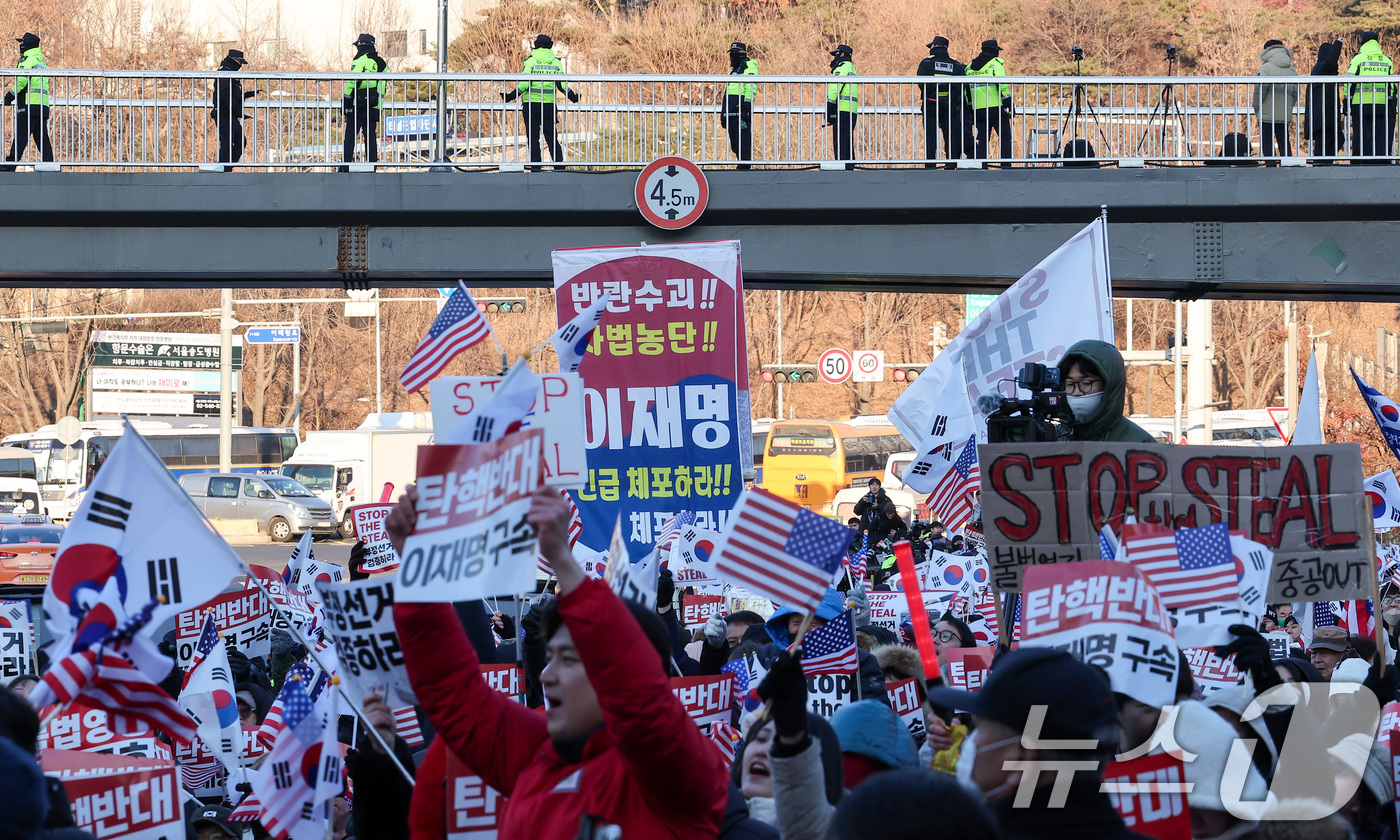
[494, 305]
[788, 375]
[908, 373]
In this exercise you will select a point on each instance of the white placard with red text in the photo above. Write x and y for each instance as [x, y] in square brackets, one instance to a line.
[369, 528]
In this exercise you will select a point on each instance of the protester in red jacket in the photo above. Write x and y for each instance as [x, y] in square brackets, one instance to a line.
[616, 746]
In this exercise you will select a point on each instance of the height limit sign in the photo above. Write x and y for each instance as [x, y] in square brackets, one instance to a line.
[672, 192]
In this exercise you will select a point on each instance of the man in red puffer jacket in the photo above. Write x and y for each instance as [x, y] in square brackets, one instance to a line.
[616, 746]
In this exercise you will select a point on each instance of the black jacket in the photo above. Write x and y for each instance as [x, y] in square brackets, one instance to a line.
[1087, 815]
[874, 516]
[228, 96]
[1324, 107]
[939, 63]
[738, 825]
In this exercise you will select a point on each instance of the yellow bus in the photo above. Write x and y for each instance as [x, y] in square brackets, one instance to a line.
[808, 461]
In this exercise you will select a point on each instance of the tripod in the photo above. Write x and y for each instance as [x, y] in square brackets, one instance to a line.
[1166, 109]
[1079, 105]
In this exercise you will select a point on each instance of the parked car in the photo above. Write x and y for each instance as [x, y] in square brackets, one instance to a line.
[283, 508]
[27, 548]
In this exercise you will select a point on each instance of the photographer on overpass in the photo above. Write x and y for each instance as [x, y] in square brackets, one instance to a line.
[1094, 376]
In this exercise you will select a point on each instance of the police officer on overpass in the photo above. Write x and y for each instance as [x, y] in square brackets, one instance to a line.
[537, 100]
[1370, 101]
[943, 107]
[991, 101]
[361, 100]
[31, 100]
[842, 106]
[737, 114]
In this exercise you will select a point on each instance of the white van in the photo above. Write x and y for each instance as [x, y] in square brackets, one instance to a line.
[19, 482]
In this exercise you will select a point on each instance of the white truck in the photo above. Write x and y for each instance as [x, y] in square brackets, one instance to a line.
[351, 467]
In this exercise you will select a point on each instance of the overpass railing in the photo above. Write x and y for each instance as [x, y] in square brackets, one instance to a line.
[114, 120]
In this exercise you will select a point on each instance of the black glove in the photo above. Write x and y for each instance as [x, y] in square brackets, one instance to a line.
[1251, 653]
[665, 588]
[530, 622]
[249, 94]
[509, 96]
[573, 95]
[831, 112]
[507, 628]
[10, 98]
[786, 686]
[1383, 686]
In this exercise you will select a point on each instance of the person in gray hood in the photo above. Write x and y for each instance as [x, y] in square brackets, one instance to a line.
[1096, 380]
[1274, 102]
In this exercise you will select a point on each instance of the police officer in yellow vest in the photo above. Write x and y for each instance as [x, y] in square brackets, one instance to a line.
[737, 113]
[31, 100]
[1370, 101]
[991, 100]
[842, 106]
[361, 100]
[537, 99]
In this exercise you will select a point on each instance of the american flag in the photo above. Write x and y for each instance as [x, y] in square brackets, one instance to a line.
[247, 809]
[986, 606]
[305, 676]
[776, 549]
[196, 774]
[745, 686]
[856, 564]
[1323, 615]
[406, 726]
[282, 782]
[575, 531]
[458, 326]
[1108, 544]
[726, 739]
[114, 684]
[208, 637]
[1358, 618]
[951, 499]
[1189, 566]
[672, 528]
[831, 648]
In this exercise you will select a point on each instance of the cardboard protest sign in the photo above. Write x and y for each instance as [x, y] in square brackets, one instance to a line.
[1148, 792]
[16, 640]
[737, 598]
[1045, 503]
[122, 798]
[707, 699]
[697, 609]
[968, 667]
[369, 527]
[557, 412]
[1390, 721]
[243, 618]
[85, 728]
[1106, 614]
[472, 538]
[360, 617]
[904, 699]
[1210, 671]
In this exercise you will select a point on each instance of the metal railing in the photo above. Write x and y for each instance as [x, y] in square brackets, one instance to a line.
[110, 120]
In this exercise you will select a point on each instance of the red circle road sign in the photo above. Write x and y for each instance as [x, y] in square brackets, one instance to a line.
[672, 192]
[834, 366]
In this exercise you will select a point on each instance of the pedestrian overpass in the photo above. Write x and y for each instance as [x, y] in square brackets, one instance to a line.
[1295, 233]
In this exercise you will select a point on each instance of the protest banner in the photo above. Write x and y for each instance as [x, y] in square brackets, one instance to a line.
[887, 609]
[360, 617]
[507, 679]
[828, 692]
[1279, 644]
[1390, 721]
[1104, 613]
[472, 539]
[707, 699]
[968, 667]
[737, 598]
[666, 407]
[1210, 671]
[82, 727]
[244, 618]
[1148, 793]
[200, 770]
[380, 555]
[294, 606]
[119, 798]
[557, 411]
[1062, 300]
[904, 699]
[697, 609]
[473, 807]
[1045, 504]
[16, 640]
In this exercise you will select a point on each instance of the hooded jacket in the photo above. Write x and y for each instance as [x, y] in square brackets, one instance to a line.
[1370, 58]
[1107, 423]
[874, 731]
[649, 770]
[1274, 103]
[1087, 815]
[1324, 98]
[871, 678]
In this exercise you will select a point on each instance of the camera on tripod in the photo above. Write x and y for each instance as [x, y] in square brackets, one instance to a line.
[1078, 52]
[1171, 52]
[1046, 416]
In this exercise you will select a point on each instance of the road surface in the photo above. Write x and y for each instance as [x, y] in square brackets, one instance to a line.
[274, 555]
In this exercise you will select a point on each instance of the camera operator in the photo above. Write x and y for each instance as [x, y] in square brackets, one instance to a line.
[878, 516]
[1094, 377]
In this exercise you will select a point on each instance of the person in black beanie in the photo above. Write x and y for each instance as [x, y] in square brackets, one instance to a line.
[943, 106]
[1323, 117]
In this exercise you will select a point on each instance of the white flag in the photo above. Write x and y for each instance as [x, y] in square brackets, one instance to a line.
[507, 411]
[1307, 427]
[303, 570]
[571, 341]
[139, 528]
[1383, 492]
[1062, 300]
[951, 425]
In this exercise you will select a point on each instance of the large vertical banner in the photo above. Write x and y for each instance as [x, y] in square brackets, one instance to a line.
[666, 405]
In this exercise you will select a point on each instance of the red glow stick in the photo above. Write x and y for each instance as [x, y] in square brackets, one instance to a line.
[387, 495]
[923, 635]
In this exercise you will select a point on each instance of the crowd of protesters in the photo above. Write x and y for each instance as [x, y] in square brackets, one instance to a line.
[604, 749]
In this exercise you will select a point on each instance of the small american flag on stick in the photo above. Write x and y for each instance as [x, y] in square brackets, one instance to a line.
[458, 326]
[831, 648]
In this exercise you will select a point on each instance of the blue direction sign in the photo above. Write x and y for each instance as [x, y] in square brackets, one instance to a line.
[273, 335]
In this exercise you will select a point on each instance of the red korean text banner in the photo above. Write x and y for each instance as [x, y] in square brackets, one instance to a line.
[697, 609]
[474, 807]
[968, 667]
[118, 797]
[244, 618]
[707, 699]
[1147, 793]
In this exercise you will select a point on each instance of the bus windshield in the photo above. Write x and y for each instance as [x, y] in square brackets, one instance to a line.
[801, 439]
[50, 465]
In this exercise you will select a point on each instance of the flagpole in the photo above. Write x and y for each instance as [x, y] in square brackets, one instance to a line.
[296, 633]
[1107, 273]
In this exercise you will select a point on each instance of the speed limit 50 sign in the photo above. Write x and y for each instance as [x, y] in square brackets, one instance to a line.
[672, 192]
[834, 366]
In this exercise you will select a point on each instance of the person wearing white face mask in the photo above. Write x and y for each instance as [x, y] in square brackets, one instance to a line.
[1095, 380]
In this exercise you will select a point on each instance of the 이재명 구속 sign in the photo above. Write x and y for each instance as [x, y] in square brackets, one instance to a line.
[1045, 503]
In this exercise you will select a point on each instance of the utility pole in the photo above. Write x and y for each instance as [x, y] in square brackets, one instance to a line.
[1178, 340]
[296, 374]
[1290, 369]
[442, 83]
[226, 325]
[1200, 391]
[780, 352]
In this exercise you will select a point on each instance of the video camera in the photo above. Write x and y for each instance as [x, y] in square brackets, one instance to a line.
[1046, 416]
